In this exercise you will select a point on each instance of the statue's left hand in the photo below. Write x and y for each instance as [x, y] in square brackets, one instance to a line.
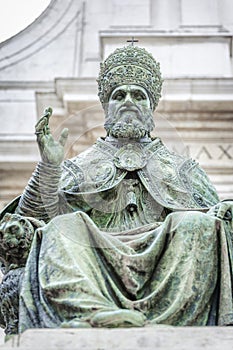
[222, 210]
[51, 151]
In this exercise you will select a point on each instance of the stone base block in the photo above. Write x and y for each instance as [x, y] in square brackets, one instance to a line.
[158, 337]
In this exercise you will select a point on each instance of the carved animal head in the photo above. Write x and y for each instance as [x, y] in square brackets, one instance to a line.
[16, 234]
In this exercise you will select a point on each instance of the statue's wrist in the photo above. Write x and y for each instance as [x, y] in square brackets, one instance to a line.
[49, 166]
[47, 176]
[53, 161]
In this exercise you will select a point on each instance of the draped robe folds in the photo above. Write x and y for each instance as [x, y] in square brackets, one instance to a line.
[167, 259]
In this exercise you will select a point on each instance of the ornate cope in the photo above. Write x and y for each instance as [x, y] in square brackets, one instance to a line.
[172, 180]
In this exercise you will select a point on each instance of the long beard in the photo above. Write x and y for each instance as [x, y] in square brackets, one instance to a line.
[132, 130]
[136, 129]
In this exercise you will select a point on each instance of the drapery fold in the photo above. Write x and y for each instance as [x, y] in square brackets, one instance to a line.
[179, 273]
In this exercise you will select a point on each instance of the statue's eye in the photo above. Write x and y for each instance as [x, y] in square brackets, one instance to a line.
[119, 96]
[138, 95]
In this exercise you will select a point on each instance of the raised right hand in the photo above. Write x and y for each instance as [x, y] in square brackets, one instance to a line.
[51, 151]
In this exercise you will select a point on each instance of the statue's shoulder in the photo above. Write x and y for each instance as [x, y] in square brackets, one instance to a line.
[160, 152]
[74, 169]
[179, 171]
[93, 166]
[97, 153]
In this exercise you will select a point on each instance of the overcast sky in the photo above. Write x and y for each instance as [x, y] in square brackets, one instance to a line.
[15, 15]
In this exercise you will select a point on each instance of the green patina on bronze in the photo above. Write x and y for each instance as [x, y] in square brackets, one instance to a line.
[126, 234]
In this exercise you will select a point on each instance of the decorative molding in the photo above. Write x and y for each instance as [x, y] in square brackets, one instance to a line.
[44, 31]
[150, 33]
[178, 94]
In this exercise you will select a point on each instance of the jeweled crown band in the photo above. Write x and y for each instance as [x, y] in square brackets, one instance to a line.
[130, 65]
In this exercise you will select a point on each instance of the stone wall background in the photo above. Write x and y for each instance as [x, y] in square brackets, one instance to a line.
[55, 62]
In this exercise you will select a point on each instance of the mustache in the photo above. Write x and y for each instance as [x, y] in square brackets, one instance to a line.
[110, 120]
[132, 108]
[125, 108]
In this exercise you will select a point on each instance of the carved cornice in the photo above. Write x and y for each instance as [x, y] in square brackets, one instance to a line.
[178, 94]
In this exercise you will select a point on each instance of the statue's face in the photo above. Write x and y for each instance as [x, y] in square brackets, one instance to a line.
[129, 114]
[129, 95]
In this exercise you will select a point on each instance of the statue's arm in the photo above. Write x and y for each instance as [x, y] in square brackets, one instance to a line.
[220, 209]
[40, 197]
[202, 185]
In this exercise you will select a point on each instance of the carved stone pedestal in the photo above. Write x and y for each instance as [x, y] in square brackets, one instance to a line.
[157, 337]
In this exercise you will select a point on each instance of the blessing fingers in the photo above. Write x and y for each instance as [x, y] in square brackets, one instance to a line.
[42, 126]
[63, 137]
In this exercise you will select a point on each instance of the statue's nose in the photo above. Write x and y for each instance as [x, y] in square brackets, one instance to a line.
[14, 228]
[128, 100]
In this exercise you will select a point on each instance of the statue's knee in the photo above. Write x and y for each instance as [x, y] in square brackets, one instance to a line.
[191, 220]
